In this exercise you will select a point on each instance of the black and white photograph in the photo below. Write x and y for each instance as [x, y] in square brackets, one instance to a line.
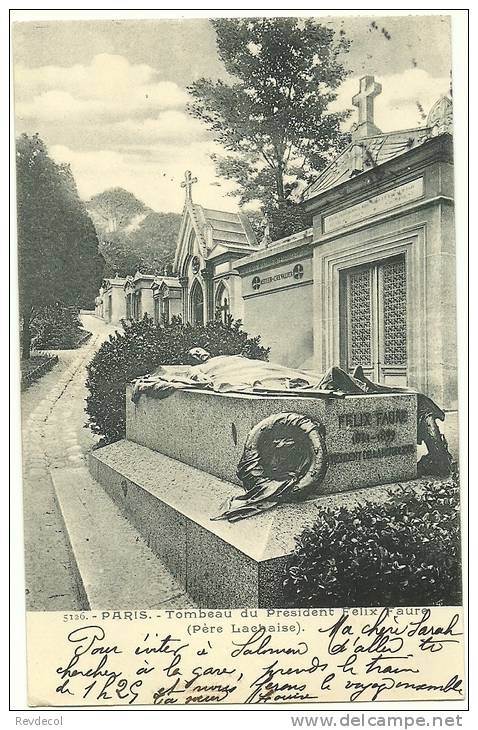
[237, 327]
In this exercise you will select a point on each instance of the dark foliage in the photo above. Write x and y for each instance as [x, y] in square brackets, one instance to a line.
[287, 219]
[114, 209]
[36, 362]
[143, 347]
[405, 552]
[272, 115]
[57, 328]
[132, 236]
[35, 367]
[58, 259]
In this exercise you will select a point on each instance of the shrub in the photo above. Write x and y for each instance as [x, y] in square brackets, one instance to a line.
[35, 367]
[141, 349]
[57, 328]
[405, 552]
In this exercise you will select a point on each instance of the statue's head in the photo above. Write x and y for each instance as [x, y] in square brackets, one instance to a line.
[198, 355]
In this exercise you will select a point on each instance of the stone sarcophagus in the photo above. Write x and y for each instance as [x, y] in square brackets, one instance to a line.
[369, 439]
[178, 468]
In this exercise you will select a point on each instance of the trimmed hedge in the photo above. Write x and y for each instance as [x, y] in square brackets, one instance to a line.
[35, 367]
[58, 328]
[404, 552]
[139, 350]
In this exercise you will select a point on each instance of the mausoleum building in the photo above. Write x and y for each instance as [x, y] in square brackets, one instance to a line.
[210, 242]
[167, 296]
[373, 282]
[111, 301]
[139, 296]
[99, 309]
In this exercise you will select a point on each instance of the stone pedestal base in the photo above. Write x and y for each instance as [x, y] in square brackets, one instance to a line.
[221, 565]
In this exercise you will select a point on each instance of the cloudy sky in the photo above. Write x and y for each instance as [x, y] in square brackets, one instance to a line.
[109, 96]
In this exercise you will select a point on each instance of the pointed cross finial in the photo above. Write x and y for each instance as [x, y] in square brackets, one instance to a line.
[369, 89]
[188, 182]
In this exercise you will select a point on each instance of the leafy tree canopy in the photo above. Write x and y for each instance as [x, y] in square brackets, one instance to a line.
[272, 116]
[58, 259]
[132, 236]
[114, 209]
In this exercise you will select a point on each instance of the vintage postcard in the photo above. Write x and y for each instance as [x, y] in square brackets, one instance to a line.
[237, 307]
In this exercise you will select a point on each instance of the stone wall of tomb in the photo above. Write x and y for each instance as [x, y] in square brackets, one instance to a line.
[118, 303]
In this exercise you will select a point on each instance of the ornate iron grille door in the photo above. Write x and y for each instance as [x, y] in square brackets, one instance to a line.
[392, 283]
[360, 319]
[374, 323]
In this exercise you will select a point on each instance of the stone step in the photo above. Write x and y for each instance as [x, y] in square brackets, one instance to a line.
[220, 564]
[114, 567]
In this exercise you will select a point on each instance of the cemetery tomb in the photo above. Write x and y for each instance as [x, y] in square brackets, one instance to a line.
[176, 472]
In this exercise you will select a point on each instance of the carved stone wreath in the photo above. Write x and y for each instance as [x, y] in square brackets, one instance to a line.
[284, 460]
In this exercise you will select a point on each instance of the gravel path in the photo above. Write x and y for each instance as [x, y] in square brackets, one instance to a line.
[53, 437]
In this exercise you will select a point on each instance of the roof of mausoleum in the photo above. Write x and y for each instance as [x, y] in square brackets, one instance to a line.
[364, 154]
[140, 276]
[367, 152]
[224, 228]
[169, 281]
[218, 232]
[113, 281]
[131, 281]
[139, 280]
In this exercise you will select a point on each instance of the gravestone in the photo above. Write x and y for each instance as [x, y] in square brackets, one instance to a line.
[177, 467]
[371, 439]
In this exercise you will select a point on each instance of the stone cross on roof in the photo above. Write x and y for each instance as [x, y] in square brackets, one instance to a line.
[187, 183]
[364, 101]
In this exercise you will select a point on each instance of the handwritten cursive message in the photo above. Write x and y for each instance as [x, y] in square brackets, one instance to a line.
[199, 656]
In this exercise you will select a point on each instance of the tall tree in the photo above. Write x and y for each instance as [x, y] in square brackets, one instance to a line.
[58, 260]
[132, 236]
[272, 116]
[114, 209]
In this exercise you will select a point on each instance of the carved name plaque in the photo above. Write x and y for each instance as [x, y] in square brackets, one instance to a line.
[374, 205]
[372, 435]
[278, 277]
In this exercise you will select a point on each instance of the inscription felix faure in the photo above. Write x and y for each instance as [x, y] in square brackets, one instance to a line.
[377, 418]
[372, 427]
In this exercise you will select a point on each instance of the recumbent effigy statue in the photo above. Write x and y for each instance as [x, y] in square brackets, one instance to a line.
[285, 456]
